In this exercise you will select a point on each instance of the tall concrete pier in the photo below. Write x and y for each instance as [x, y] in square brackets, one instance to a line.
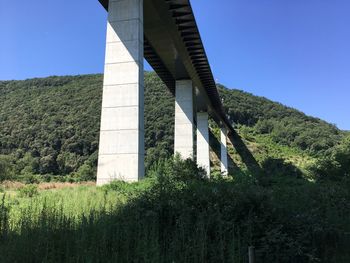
[183, 141]
[121, 152]
[165, 33]
[203, 158]
[223, 158]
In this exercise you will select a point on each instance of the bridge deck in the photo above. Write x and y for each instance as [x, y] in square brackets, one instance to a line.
[173, 47]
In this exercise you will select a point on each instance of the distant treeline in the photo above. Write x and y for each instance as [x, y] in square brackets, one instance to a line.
[51, 125]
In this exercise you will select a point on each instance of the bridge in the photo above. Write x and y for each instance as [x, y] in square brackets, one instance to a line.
[165, 33]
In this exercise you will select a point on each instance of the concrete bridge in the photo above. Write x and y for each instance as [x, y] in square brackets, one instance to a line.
[165, 33]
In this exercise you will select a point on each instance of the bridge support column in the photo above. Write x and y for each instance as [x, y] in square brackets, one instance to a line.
[183, 141]
[224, 162]
[121, 150]
[203, 159]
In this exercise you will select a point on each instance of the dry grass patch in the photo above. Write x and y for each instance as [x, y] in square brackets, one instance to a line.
[13, 185]
[59, 185]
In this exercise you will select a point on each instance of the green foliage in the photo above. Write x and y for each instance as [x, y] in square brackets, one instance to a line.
[29, 178]
[336, 165]
[159, 120]
[29, 190]
[279, 167]
[85, 173]
[175, 217]
[176, 169]
[49, 128]
[6, 168]
[129, 190]
[4, 218]
[286, 125]
[51, 125]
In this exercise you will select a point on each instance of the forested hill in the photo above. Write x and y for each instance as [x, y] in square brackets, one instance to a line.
[286, 125]
[51, 125]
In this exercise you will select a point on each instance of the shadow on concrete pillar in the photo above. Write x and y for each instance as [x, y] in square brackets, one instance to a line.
[223, 151]
[183, 136]
[121, 149]
[203, 156]
[215, 148]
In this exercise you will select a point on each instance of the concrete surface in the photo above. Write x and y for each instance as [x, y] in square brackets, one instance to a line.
[121, 150]
[183, 141]
[223, 158]
[203, 159]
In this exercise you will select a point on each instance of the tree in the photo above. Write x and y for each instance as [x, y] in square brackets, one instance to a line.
[6, 168]
[337, 165]
[85, 173]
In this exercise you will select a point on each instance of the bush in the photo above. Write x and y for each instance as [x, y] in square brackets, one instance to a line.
[30, 178]
[336, 165]
[85, 173]
[279, 167]
[127, 189]
[176, 169]
[177, 216]
[6, 168]
[29, 190]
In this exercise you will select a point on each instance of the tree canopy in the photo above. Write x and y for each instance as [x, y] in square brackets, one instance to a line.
[51, 125]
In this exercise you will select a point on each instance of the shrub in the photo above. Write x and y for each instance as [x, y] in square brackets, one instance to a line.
[279, 167]
[177, 216]
[29, 178]
[335, 166]
[85, 173]
[176, 169]
[120, 187]
[29, 190]
[6, 168]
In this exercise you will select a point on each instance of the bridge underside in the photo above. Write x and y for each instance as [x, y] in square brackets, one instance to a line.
[165, 33]
[174, 49]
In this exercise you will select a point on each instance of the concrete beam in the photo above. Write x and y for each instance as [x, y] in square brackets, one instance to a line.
[121, 149]
[183, 141]
[203, 158]
[223, 160]
[175, 56]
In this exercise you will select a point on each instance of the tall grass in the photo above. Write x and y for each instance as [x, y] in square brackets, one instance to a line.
[178, 216]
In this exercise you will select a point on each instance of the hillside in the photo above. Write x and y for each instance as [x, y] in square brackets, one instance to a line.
[50, 125]
[48, 146]
[286, 125]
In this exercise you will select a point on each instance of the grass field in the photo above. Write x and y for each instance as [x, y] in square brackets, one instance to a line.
[177, 216]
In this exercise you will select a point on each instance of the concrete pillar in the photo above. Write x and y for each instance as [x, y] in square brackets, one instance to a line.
[223, 160]
[203, 159]
[121, 149]
[183, 141]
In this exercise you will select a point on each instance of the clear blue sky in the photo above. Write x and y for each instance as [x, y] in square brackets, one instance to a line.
[292, 51]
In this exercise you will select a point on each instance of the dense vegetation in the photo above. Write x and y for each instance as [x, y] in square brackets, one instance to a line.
[50, 126]
[286, 126]
[176, 215]
[295, 210]
[335, 165]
